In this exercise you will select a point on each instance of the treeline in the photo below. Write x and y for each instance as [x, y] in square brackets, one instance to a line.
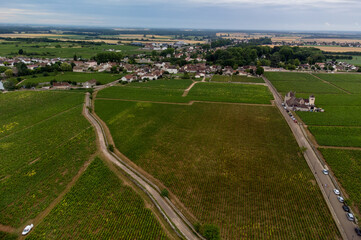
[48, 40]
[283, 56]
[108, 57]
[335, 57]
[343, 53]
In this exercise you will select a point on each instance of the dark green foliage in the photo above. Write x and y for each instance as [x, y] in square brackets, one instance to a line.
[108, 57]
[211, 232]
[164, 193]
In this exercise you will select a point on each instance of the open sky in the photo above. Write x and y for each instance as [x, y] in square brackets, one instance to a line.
[207, 14]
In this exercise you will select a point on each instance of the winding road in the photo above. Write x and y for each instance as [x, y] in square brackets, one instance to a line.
[176, 221]
[316, 164]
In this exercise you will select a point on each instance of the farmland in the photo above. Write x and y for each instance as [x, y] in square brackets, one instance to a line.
[227, 154]
[236, 78]
[62, 49]
[40, 155]
[347, 166]
[337, 136]
[300, 83]
[99, 206]
[349, 82]
[172, 90]
[102, 78]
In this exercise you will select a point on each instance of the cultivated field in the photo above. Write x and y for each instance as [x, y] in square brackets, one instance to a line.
[61, 49]
[347, 166]
[47, 143]
[300, 83]
[172, 90]
[99, 206]
[236, 78]
[349, 82]
[102, 78]
[234, 166]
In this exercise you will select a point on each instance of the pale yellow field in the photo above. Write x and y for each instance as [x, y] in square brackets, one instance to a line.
[330, 40]
[338, 49]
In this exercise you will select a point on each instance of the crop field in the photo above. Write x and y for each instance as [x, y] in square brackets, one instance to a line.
[172, 90]
[236, 78]
[349, 82]
[346, 166]
[62, 49]
[223, 92]
[99, 206]
[35, 106]
[234, 166]
[300, 83]
[337, 136]
[51, 140]
[103, 78]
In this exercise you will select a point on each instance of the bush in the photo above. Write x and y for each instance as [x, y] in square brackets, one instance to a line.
[111, 147]
[164, 193]
[211, 232]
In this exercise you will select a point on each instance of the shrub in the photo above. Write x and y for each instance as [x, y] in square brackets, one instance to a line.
[164, 193]
[211, 232]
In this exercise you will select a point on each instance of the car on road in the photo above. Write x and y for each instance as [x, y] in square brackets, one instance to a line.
[27, 229]
[346, 208]
[336, 191]
[350, 217]
[325, 171]
[340, 199]
[358, 231]
[295, 121]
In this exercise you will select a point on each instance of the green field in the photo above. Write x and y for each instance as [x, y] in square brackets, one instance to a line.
[236, 78]
[172, 90]
[356, 60]
[99, 206]
[349, 82]
[300, 83]
[103, 78]
[66, 50]
[40, 155]
[337, 136]
[234, 166]
[346, 166]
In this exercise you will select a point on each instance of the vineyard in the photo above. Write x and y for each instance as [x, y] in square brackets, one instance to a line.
[45, 149]
[237, 167]
[349, 82]
[172, 90]
[19, 110]
[300, 83]
[347, 166]
[102, 78]
[236, 78]
[99, 206]
[337, 136]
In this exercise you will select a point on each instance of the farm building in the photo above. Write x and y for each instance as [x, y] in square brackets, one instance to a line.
[299, 104]
[61, 85]
[90, 83]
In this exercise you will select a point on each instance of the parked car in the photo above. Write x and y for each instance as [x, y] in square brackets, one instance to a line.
[325, 171]
[340, 199]
[346, 208]
[336, 191]
[295, 121]
[27, 229]
[350, 217]
[358, 231]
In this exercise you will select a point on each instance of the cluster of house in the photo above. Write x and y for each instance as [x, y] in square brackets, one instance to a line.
[301, 104]
[337, 66]
[318, 43]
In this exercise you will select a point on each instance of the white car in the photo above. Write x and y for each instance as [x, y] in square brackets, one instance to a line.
[336, 191]
[325, 171]
[350, 217]
[27, 229]
[340, 199]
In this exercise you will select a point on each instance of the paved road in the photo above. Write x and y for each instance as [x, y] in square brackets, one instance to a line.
[347, 228]
[160, 202]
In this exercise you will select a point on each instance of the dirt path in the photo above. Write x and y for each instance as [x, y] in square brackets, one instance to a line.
[188, 89]
[171, 216]
[324, 81]
[37, 220]
[7, 229]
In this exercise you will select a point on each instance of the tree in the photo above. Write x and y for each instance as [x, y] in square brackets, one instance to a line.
[75, 57]
[21, 51]
[9, 73]
[211, 232]
[259, 70]
[65, 67]
[9, 85]
[22, 69]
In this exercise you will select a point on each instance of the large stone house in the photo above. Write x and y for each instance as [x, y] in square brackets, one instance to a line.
[299, 104]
